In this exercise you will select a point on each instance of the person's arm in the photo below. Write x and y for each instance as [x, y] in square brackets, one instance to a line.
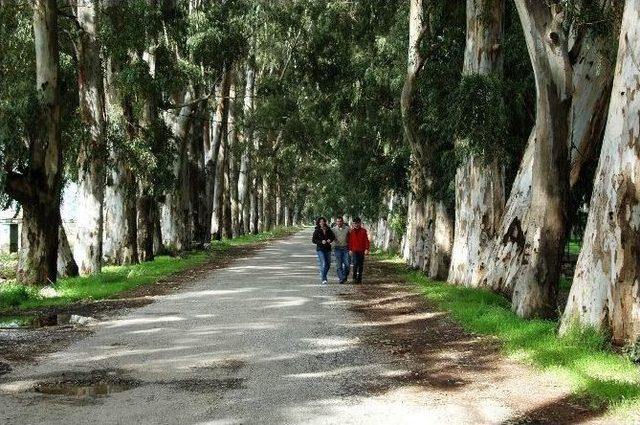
[316, 238]
[331, 236]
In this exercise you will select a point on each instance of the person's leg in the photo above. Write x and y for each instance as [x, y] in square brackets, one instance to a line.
[321, 265]
[339, 263]
[355, 258]
[357, 270]
[327, 264]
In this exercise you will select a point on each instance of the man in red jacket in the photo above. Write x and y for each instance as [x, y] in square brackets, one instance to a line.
[358, 247]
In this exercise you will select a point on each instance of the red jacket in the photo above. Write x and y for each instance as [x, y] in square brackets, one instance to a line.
[358, 240]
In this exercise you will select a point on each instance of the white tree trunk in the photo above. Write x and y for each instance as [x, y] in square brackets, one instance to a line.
[480, 192]
[500, 265]
[67, 266]
[39, 189]
[175, 219]
[87, 248]
[606, 286]
[218, 152]
[247, 139]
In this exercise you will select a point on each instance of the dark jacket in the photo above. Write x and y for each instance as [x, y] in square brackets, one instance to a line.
[319, 236]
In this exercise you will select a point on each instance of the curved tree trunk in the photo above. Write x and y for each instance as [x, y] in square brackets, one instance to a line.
[480, 192]
[538, 263]
[499, 265]
[606, 286]
[218, 146]
[87, 248]
[39, 189]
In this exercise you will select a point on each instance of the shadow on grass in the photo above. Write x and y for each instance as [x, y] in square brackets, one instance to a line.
[597, 374]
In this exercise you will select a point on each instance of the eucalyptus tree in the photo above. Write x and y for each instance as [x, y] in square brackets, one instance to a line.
[33, 167]
[480, 192]
[604, 293]
[92, 152]
[573, 75]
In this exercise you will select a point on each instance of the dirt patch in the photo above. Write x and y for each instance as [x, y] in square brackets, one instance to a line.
[23, 346]
[447, 361]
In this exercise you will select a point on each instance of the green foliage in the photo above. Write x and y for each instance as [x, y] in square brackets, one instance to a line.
[482, 118]
[13, 294]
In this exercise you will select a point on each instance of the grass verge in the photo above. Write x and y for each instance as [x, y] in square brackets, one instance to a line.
[583, 356]
[116, 279]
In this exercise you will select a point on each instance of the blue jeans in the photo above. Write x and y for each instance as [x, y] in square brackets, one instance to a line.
[343, 263]
[324, 262]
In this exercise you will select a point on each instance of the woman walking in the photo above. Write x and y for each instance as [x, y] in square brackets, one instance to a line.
[322, 237]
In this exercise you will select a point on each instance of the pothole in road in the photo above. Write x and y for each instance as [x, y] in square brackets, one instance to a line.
[86, 384]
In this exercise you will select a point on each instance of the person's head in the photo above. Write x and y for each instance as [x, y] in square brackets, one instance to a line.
[321, 222]
[357, 223]
[339, 221]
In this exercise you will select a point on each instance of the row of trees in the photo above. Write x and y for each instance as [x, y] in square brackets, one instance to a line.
[509, 233]
[150, 107]
[187, 120]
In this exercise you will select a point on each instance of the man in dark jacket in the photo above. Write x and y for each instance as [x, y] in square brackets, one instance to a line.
[358, 247]
[322, 237]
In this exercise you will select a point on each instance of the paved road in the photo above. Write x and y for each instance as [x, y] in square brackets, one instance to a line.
[258, 342]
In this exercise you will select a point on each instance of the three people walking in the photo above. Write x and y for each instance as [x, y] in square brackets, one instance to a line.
[349, 245]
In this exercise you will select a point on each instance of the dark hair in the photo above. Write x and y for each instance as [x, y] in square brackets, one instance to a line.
[357, 220]
[339, 217]
[320, 219]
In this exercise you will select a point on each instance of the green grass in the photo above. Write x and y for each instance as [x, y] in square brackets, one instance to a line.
[583, 356]
[117, 279]
[574, 246]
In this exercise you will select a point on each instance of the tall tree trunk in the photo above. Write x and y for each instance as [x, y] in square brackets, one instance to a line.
[176, 228]
[499, 267]
[268, 207]
[87, 248]
[480, 192]
[244, 189]
[120, 244]
[535, 285]
[218, 143]
[39, 189]
[605, 291]
[146, 223]
[231, 175]
[67, 266]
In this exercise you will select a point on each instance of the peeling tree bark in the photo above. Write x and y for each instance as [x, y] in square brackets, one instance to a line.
[244, 190]
[120, 244]
[67, 266]
[232, 172]
[480, 192]
[176, 228]
[499, 265]
[219, 143]
[39, 189]
[606, 286]
[87, 248]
